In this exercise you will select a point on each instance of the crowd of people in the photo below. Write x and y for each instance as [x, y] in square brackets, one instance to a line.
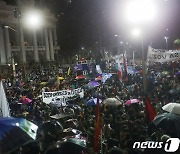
[121, 125]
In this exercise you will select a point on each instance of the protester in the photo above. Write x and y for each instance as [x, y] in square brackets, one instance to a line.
[121, 125]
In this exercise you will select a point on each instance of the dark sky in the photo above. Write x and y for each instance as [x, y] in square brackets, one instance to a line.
[93, 23]
[86, 22]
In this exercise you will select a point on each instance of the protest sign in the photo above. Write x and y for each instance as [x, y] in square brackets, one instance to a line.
[59, 98]
[160, 55]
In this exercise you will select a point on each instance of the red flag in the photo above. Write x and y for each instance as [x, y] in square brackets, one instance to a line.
[125, 69]
[150, 113]
[97, 127]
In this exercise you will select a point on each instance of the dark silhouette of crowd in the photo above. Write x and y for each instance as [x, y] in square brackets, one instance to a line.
[121, 125]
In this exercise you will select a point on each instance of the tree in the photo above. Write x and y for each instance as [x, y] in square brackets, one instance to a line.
[177, 43]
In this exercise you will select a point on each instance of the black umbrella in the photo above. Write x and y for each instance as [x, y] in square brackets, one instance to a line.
[169, 122]
[68, 146]
[50, 131]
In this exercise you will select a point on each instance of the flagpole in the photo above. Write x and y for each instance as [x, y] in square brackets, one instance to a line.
[101, 141]
[133, 60]
[143, 67]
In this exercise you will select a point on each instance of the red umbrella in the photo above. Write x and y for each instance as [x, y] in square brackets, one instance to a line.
[80, 77]
[132, 101]
[98, 78]
[25, 100]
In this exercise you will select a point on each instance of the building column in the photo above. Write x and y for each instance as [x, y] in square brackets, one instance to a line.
[8, 45]
[36, 54]
[22, 46]
[2, 47]
[55, 37]
[46, 44]
[51, 45]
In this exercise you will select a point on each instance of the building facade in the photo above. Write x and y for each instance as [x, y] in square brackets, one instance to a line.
[22, 44]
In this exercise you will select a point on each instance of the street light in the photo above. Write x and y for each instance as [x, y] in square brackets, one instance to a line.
[136, 32]
[166, 38]
[33, 19]
[140, 12]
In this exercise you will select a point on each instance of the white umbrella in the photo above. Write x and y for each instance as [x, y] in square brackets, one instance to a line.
[112, 102]
[172, 108]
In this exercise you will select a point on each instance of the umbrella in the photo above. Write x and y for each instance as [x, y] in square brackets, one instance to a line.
[15, 132]
[87, 86]
[165, 73]
[132, 101]
[43, 83]
[70, 145]
[172, 108]
[25, 100]
[71, 123]
[71, 132]
[177, 73]
[169, 122]
[60, 78]
[98, 78]
[93, 84]
[60, 116]
[112, 102]
[93, 102]
[80, 77]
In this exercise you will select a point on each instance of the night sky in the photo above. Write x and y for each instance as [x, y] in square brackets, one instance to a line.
[93, 23]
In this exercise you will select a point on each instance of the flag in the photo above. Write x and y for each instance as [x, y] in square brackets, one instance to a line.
[4, 106]
[119, 72]
[150, 113]
[98, 69]
[97, 127]
[125, 69]
[105, 76]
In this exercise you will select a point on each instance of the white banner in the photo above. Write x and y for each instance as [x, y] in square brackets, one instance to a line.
[118, 58]
[160, 55]
[59, 98]
[4, 106]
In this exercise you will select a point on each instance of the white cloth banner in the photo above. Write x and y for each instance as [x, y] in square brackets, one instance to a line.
[118, 58]
[98, 69]
[160, 55]
[59, 98]
[4, 106]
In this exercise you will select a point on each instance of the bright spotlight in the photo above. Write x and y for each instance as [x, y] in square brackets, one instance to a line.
[33, 19]
[139, 11]
[136, 32]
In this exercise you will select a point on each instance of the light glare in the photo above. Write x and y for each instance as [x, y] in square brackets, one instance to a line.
[136, 32]
[33, 19]
[138, 11]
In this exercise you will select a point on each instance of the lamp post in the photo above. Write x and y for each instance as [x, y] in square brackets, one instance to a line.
[137, 33]
[31, 19]
[166, 39]
[139, 13]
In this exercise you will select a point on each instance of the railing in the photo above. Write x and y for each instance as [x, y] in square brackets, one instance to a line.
[31, 48]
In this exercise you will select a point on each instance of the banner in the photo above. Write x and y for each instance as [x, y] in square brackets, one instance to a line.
[160, 55]
[105, 76]
[4, 106]
[98, 69]
[118, 58]
[59, 98]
